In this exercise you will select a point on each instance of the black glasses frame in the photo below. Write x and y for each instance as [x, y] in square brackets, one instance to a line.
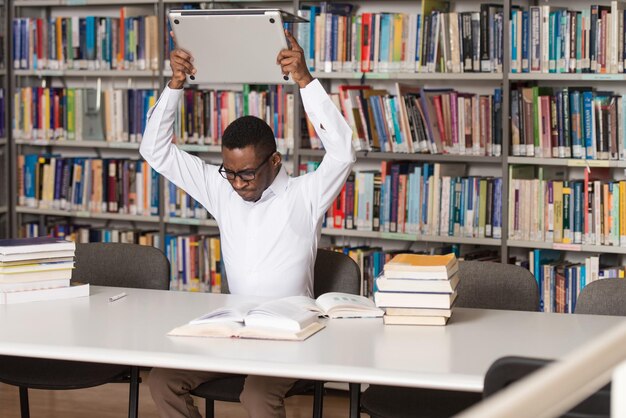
[245, 175]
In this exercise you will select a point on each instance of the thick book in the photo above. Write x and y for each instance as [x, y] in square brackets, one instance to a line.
[385, 284]
[35, 276]
[422, 263]
[34, 285]
[417, 312]
[34, 245]
[281, 319]
[415, 320]
[40, 295]
[414, 300]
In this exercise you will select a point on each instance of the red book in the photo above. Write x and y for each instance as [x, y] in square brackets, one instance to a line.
[339, 209]
[439, 114]
[366, 30]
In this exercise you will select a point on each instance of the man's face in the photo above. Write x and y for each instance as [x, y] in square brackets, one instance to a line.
[249, 163]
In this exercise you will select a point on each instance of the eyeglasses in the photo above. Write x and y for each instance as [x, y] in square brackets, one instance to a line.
[245, 175]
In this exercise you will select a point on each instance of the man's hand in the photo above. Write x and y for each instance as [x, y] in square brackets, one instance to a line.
[292, 61]
[181, 64]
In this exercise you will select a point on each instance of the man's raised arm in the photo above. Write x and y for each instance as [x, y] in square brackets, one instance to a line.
[188, 172]
[335, 133]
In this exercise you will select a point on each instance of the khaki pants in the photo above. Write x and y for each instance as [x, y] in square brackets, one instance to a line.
[262, 397]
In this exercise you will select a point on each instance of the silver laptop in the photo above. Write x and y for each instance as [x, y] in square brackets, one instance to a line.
[233, 45]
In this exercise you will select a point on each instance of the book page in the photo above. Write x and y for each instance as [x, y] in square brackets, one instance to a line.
[227, 313]
[345, 305]
[280, 314]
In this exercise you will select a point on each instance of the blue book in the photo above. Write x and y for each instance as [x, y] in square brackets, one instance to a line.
[154, 199]
[575, 119]
[497, 208]
[525, 42]
[554, 41]
[588, 130]
[30, 170]
[91, 37]
[384, 56]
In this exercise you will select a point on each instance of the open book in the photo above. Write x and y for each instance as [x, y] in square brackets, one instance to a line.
[290, 318]
[274, 320]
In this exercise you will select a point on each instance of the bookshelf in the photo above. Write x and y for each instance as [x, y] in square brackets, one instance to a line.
[5, 155]
[482, 82]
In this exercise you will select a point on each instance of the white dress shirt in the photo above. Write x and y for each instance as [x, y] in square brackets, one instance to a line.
[268, 246]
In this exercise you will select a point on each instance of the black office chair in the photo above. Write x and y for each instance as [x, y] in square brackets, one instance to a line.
[484, 285]
[602, 297]
[507, 370]
[334, 272]
[110, 264]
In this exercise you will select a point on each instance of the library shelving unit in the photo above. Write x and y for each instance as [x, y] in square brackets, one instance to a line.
[68, 77]
[298, 154]
[495, 166]
[5, 214]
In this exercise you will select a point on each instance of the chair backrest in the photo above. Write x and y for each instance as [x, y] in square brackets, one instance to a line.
[489, 285]
[602, 297]
[122, 265]
[507, 370]
[335, 272]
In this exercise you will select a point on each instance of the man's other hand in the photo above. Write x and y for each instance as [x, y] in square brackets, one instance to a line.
[181, 64]
[292, 61]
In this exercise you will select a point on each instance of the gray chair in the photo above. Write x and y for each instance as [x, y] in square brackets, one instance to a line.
[510, 369]
[334, 272]
[602, 297]
[119, 265]
[484, 285]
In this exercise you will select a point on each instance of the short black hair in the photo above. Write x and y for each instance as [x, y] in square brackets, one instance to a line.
[249, 130]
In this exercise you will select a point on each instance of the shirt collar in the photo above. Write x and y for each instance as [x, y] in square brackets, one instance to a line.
[278, 186]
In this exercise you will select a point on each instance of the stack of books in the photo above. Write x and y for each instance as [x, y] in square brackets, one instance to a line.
[36, 269]
[417, 289]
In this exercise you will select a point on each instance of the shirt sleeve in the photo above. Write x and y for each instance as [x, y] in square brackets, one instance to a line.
[336, 136]
[190, 173]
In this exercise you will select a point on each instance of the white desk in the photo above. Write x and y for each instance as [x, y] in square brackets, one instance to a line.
[133, 331]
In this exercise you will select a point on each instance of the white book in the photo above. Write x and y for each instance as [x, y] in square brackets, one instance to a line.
[414, 300]
[35, 285]
[34, 245]
[415, 320]
[40, 295]
[385, 284]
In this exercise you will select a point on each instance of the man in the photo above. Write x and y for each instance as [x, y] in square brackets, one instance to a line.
[269, 223]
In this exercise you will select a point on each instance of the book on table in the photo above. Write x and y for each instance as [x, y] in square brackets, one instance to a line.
[46, 294]
[414, 300]
[385, 284]
[35, 269]
[420, 266]
[34, 250]
[290, 318]
[415, 320]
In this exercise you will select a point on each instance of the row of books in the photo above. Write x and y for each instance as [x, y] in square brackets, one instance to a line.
[195, 262]
[204, 114]
[590, 211]
[114, 115]
[415, 120]
[87, 233]
[567, 123]
[179, 204]
[87, 184]
[437, 40]
[127, 42]
[412, 198]
[560, 281]
[551, 39]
